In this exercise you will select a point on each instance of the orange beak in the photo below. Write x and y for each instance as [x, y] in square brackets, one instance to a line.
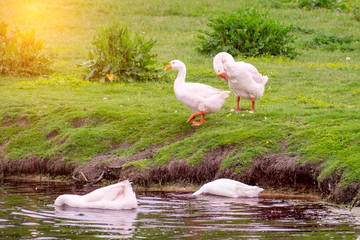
[168, 67]
[222, 75]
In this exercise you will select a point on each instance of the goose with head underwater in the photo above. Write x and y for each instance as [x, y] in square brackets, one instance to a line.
[200, 98]
[116, 196]
[229, 188]
[243, 78]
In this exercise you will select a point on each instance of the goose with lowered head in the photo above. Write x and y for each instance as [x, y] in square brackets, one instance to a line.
[116, 196]
[200, 98]
[229, 188]
[243, 78]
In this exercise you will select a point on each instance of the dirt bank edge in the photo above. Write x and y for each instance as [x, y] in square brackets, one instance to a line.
[275, 172]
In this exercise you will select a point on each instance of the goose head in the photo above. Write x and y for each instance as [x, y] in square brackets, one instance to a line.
[219, 68]
[175, 64]
[219, 61]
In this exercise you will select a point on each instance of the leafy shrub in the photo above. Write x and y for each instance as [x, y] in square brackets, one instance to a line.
[20, 53]
[249, 33]
[311, 4]
[330, 42]
[119, 56]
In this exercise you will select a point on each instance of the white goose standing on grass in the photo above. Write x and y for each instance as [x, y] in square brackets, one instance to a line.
[116, 196]
[243, 78]
[229, 188]
[200, 98]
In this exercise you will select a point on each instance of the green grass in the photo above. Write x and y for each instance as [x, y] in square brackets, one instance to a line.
[311, 103]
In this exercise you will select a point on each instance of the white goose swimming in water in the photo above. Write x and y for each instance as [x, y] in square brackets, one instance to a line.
[200, 98]
[243, 78]
[229, 188]
[116, 196]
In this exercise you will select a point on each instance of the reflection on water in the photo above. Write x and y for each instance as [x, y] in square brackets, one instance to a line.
[27, 211]
[119, 222]
[114, 221]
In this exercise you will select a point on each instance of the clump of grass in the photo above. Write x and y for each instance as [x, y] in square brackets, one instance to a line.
[319, 103]
[330, 42]
[336, 66]
[117, 55]
[280, 3]
[356, 14]
[241, 158]
[309, 4]
[247, 32]
[21, 53]
[58, 80]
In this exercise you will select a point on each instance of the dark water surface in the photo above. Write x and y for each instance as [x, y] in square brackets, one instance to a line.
[27, 212]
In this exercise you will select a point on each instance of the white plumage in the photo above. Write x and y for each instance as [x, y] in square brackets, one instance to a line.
[200, 98]
[229, 188]
[116, 196]
[243, 78]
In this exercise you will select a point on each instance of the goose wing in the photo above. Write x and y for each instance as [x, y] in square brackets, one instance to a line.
[202, 90]
[247, 72]
[108, 193]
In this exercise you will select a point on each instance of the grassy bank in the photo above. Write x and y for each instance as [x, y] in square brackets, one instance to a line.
[310, 107]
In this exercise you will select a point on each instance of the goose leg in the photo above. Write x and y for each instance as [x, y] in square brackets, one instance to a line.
[253, 104]
[194, 116]
[237, 104]
[201, 121]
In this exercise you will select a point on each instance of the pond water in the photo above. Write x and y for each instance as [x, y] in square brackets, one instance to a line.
[27, 212]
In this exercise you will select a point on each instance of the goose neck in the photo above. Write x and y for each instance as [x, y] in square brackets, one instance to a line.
[180, 79]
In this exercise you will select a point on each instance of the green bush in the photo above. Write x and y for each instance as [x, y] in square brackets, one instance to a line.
[119, 56]
[330, 42]
[20, 53]
[311, 4]
[247, 32]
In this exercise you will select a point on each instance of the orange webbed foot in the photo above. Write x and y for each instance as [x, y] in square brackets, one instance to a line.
[197, 123]
[194, 116]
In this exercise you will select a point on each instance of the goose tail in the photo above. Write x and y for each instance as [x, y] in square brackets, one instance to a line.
[198, 192]
[225, 94]
[264, 79]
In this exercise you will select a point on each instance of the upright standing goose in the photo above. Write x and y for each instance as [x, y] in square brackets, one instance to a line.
[116, 196]
[243, 78]
[200, 98]
[229, 188]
